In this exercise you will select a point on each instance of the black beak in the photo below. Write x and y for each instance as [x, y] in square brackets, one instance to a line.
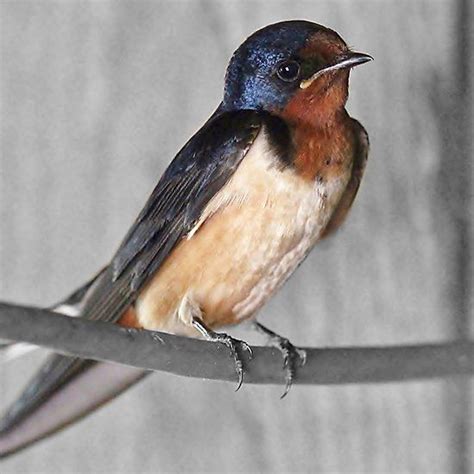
[348, 60]
[351, 59]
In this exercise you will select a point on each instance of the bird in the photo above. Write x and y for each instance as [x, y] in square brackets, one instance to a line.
[274, 170]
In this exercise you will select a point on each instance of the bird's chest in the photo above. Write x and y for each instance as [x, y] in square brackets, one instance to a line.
[266, 219]
[250, 238]
[287, 229]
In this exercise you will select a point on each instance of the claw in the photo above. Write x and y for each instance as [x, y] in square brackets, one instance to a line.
[291, 355]
[246, 347]
[288, 384]
[302, 355]
[230, 343]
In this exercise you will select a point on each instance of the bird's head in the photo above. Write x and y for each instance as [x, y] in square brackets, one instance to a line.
[297, 69]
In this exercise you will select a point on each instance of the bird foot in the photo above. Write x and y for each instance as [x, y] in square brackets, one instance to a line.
[234, 345]
[293, 357]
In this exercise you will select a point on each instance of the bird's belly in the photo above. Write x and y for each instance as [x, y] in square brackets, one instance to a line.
[250, 240]
[234, 263]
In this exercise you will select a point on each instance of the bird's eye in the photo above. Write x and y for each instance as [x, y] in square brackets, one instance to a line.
[288, 71]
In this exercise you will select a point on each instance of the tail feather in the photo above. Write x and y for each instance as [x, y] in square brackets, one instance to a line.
[15, 350]
[36, 415]
[89, 390]
[69, 306]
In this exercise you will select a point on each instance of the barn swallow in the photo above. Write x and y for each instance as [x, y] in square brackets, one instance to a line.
[274, 170]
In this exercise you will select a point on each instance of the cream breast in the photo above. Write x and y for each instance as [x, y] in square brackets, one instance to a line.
[250, 238]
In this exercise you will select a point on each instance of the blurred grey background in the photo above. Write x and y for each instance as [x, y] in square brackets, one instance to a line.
[97, 97]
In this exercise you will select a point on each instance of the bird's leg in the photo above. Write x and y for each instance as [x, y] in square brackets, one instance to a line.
[229, 341]
[292, 356]
[190, 313]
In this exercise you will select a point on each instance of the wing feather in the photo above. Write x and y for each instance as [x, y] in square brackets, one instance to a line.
[199, 170]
